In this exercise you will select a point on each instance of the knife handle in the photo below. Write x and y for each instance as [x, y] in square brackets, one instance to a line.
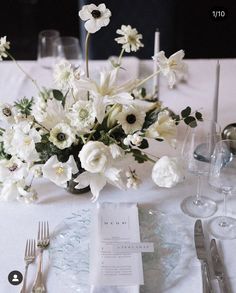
[224, 288]
[206, 278]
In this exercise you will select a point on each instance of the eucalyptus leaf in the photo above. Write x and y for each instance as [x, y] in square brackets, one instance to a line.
[186, 112]
[191, 121]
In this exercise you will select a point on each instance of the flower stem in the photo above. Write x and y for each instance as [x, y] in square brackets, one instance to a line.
[25, 73]
[86, 54]
[120, 56]
[146, 79]
[113, 129]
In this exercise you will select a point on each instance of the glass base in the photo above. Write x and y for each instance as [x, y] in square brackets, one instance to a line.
[201, 208]
[223, 227]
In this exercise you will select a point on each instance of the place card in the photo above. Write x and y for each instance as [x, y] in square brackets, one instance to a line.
[115, 224]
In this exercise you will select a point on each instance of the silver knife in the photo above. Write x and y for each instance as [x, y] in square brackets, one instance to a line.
[202, 256]
[218, 267]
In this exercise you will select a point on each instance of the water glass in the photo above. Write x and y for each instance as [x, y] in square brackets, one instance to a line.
[46, 41]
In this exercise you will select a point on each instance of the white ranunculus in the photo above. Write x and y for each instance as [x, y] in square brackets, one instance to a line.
[167, 172]
[172, 67]
[95, 17]
[130, 38]
[59, 172]
[62, 136]
[95, 157]
[4, 45]
[164, 128]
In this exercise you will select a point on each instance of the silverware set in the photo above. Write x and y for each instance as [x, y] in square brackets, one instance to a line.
[216, 262]
[43, 241]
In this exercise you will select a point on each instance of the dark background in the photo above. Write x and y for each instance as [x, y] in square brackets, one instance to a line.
[187, 25]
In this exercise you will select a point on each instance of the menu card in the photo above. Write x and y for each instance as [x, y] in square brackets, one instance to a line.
[113, 224]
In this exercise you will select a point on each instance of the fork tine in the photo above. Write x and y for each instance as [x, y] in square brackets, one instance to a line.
[34, 248]
[31, 247]
[39, 231]
[47, 230]
[26, 247]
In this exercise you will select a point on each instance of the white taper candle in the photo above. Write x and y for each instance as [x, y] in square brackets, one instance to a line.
[216, 94]
[155, 67]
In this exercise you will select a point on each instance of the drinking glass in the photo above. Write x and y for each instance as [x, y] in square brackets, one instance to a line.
[222, 177]
[46, 47]
[197, 149]
[68, 48]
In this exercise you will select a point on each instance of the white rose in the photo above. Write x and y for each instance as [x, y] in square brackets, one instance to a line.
[167, 172]
[95, 157]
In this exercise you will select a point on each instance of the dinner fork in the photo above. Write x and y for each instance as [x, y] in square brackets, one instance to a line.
[42, 243]
[29, 258]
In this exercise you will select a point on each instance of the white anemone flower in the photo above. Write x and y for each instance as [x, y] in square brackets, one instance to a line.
[95, 17]
[62, 136]
[7, 112]
[14, 169]
[130, 38]
[82, 116]
[164, 128]
[172, 67]
[58, 172]
[131, 119]
[4, 45]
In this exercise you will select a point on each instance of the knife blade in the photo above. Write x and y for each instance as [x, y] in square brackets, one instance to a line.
[202, 256]
[218, 267]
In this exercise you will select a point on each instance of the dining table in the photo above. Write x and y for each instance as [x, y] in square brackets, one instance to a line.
[19, 221]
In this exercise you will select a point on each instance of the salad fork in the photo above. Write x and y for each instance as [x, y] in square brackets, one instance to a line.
[29, 258]
[43, 242]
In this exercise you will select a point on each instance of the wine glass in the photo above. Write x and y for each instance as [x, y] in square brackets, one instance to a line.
[68, 48]
[46, 40]
[222, 177]
[197, 149]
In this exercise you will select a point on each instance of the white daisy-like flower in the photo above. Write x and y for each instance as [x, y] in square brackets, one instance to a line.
[95, 17]
[7, 113]
[164, 128]
[130, 39]
[172, 67]
[4, 45]
[14, 169]
[82, 116]
[59, 172]
[131, 119]
[64, 75]
[62, 136]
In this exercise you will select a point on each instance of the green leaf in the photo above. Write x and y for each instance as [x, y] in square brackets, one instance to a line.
[139, 156]
[198, 116]
[24, 106]
[190, 121]
[144, 144]
[151, 117]
[58, 95]
[186, 112]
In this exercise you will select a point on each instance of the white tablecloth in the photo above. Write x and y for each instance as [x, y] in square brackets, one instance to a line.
[19, 222]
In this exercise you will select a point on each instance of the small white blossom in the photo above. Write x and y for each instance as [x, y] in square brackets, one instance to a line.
[130, 39]
[82, 116]
[7, 112]
[62, 136]
[133, 139]
[95, 17]
[59, 172]
[4, 45]
[64, 75]
[133, 181]
[172, 67]
[131, 119]
[27, 194]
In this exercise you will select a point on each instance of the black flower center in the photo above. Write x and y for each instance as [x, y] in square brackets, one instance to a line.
[13, 168]
[96, 13]
[131, 118]
[61, 136]
[6, 112]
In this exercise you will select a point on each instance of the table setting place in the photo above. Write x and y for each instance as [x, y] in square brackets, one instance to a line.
[132, 162]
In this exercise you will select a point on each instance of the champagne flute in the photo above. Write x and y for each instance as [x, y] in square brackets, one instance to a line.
[197, 149]
[222, 177]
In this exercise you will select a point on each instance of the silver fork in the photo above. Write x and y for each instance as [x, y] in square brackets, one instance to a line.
[30, 253]
[43, 242]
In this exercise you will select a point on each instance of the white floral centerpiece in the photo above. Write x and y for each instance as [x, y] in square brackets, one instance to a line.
[76, 135]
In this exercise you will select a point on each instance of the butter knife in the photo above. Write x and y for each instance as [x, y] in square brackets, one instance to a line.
[218, 267]
[202, 256]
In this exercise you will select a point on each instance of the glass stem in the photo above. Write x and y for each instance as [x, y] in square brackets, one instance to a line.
[199, 190]
[225, 204]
